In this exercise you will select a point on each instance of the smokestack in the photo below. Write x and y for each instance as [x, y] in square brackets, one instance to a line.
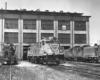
[5, 5]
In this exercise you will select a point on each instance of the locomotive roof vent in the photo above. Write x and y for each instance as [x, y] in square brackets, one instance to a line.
[21, 9]
[38, 10]
[61, 11]
[46, 10]
[24, 9]
[31, 10]
[16, 9]
[68, 12]
[54, 11]
[75, 12]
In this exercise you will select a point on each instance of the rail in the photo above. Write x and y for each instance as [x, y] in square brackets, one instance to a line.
[10, 72]
[83, 71]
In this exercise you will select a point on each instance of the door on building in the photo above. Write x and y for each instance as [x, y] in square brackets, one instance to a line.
[25, 49]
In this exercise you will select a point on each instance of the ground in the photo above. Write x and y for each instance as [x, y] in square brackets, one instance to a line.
[28, 71]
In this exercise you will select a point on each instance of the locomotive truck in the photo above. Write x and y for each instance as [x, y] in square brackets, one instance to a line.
[84, 54]
[8, 52]
[47, 51]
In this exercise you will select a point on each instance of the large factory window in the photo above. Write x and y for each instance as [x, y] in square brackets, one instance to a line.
[46, 35]
[47, 25]
[80, 38]
[11, 23]
[29, 24]
[29, 38]
[11, 37]
[64, 38]
[80, 25]
[62, 23]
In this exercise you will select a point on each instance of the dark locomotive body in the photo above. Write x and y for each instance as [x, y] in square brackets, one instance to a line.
[9, 56]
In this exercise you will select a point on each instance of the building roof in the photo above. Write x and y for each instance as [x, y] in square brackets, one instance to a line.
[38, 12]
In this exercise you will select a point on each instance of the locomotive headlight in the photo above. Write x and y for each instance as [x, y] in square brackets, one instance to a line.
[5, 62]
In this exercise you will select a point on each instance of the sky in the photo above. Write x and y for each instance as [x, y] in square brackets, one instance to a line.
[88, 7]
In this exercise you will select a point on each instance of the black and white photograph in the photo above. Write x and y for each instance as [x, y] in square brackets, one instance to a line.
[49, 40]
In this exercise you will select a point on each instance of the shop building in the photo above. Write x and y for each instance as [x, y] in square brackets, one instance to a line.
[23, 28]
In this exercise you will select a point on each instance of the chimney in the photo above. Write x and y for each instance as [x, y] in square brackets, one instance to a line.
[5, 5]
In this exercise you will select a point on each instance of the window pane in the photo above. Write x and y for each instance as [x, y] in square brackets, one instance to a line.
[11, 37]
[47, 25]
[29, 24]
[11, 23]
[64, 38]
[29, 38]
[80, 38]
[80, 25]
[63, 22]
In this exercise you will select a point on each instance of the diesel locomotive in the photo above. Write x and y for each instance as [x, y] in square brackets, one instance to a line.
[83, 54]
[47, 51]
[8, 52]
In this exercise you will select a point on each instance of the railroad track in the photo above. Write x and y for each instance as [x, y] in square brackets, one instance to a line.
[6, 72]
[10, 72]
[82, 71]
[84, 63]
[92, 66]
